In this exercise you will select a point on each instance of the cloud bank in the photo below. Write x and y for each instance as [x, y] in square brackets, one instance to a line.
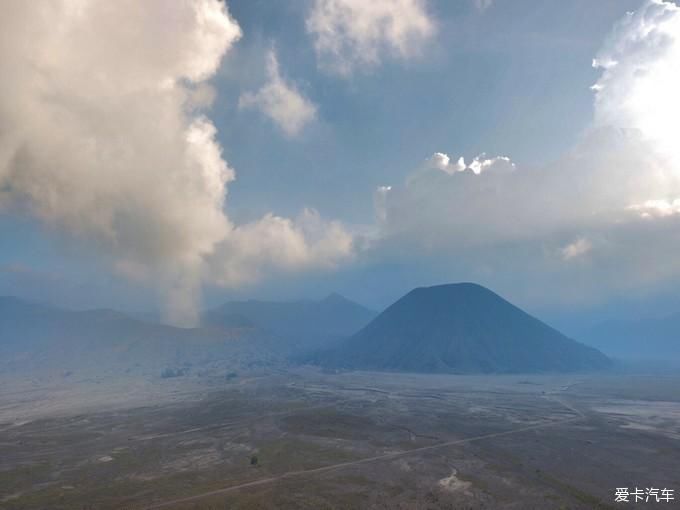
[103, 134]
[599, 221]
[638, 88]
[351, 34]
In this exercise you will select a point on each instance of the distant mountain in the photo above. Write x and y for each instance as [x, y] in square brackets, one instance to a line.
[304, 324]
[637, 339]
[41, 337]
[460, 328]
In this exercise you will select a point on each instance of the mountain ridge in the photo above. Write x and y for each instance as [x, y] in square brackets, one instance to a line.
[307, 323]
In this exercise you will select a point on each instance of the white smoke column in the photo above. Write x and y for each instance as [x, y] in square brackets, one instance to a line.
[102, 135]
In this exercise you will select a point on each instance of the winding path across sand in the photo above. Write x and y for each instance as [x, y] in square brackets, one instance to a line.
[387, 456]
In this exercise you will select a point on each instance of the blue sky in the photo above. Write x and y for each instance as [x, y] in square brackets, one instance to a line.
[513, 79]
[567, 206]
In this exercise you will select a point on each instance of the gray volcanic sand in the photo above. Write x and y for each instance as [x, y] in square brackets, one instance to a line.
[308, 439]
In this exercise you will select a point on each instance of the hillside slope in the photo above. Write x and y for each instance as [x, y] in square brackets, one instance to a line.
[36, 337]
[460, 328]
[299, 324]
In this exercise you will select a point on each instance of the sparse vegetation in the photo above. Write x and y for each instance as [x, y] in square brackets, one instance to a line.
[288, 435]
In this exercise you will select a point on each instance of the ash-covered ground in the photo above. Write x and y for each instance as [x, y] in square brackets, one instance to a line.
[303, 438]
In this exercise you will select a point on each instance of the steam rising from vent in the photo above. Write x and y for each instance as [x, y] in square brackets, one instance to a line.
[103, 135]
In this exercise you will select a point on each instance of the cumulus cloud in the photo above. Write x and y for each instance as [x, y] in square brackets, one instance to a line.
[479, 163]
[613, 197]
[280, 101]
[351, 34]
[103, 134]
[443, 162]
[275, 243]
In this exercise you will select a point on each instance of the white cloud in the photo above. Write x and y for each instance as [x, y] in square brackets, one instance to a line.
[357, 33]
[280, 101]
[577, 249]
[442, 162]
[276, 243]
[638, 88]
[102, 136]
[380, 203]
[657, 208]
[479, 164]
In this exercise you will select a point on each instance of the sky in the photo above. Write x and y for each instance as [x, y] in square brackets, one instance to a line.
[168, 156]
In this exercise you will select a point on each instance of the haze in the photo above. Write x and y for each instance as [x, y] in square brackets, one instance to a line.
[249, 244]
